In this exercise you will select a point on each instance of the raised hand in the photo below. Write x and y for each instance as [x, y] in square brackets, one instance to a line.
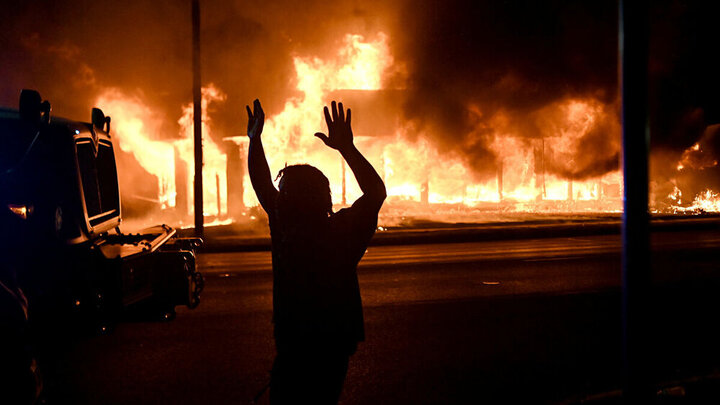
[339, 135]
[257, 163]
[256, 120]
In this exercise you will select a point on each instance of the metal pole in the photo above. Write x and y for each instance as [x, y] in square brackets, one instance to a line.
[636, 272]
[235, 174]
[197, 119]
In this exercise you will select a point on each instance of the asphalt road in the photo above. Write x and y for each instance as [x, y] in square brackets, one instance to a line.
[492, 322]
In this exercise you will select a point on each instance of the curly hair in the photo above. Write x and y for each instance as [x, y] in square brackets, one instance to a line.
[304, 194]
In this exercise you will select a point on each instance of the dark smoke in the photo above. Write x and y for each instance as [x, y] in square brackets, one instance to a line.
[684, 72]
[518, 57]
[509, 57]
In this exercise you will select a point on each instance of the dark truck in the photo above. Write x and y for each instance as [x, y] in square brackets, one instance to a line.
[60, 219]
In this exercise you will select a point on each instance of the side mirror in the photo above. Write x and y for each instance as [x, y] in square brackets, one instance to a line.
[33, 109]
[99, 120]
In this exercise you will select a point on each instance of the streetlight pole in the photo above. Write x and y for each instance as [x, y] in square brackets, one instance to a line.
[197, 119]
[636, 272]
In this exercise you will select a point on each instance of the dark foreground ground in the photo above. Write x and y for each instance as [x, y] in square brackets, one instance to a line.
[530, 320]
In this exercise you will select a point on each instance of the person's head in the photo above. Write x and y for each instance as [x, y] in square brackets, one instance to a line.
[304, 194]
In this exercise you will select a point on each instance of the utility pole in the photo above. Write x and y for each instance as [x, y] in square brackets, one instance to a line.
[636, 271]
[197, 119]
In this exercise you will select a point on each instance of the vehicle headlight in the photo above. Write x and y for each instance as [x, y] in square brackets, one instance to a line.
[21, 210]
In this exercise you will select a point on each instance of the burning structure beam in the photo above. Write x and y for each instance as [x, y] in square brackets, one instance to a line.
[235, 166]
[425, 191]
[636, 273]
[197, 118]
[500, 180]
[181, 189]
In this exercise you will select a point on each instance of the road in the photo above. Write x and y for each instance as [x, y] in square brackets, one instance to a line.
[476, 322]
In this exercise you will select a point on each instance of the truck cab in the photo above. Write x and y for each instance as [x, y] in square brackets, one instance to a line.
[60, 222]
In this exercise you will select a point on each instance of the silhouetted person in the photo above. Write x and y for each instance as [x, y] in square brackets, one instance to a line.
[316, 299]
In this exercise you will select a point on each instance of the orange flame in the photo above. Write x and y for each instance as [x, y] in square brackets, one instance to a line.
[136, 130]
[676, 195]
[707, 201]
[408, 166]
[214, 160]
[413, 170]
[696, 158]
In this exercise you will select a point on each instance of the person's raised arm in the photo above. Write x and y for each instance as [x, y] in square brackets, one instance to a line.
[340, 138]
[257, 163]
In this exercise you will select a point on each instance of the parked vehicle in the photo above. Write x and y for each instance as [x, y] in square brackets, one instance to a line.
[60, 218]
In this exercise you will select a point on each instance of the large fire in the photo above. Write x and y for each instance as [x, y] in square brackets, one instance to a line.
[136, 131]
[412, 168]
[416, 173]
[698, 160]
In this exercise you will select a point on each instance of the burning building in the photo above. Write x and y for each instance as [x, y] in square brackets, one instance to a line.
[468, 105]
